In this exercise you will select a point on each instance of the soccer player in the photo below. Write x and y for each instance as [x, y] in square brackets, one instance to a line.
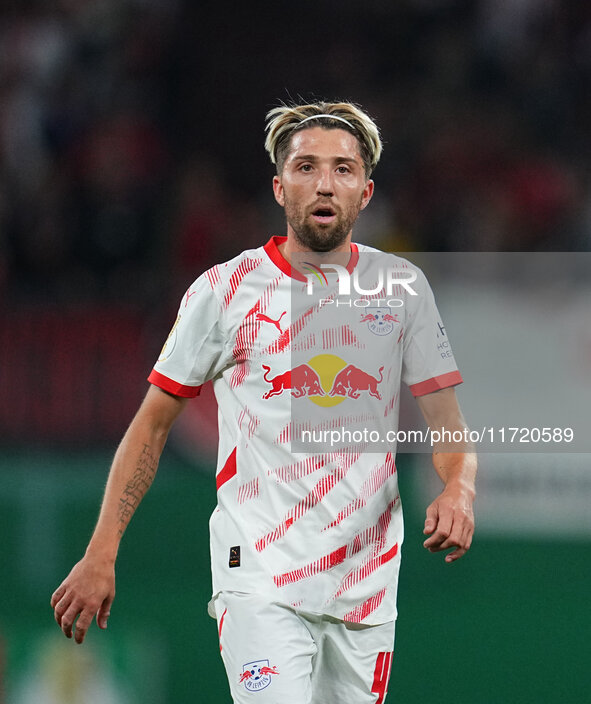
[305, 545]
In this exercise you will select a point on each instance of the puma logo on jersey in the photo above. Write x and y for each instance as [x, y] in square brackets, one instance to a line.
[265, 319]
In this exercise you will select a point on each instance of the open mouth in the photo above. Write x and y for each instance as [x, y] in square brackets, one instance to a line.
[324, 215]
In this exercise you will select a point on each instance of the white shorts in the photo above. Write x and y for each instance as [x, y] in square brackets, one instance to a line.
[276, 655]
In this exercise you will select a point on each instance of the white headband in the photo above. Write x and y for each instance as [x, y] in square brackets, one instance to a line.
[331, 117]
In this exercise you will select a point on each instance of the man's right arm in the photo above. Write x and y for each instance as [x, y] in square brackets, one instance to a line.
[89, 589]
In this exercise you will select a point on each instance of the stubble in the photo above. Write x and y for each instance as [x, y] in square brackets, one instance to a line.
[316, 237]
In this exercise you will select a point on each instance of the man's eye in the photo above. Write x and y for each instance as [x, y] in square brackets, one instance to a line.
[343, 169]
[306, 167]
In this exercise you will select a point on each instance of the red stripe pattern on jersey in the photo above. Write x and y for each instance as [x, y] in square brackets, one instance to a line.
[391, 405]
[364, 570]
[362, 611]
[303, 343]
[315, 496]
[247, 334]
[374, 535]
[292, 332]
[297, 470]
[253, 421]
[242, 270]
[342, 336]
[324, 563]
[377, 478]
[250, 326]
[319, 491]
[248, 491]
[213, 276]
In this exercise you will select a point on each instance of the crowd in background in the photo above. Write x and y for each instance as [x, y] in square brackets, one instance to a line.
[131, 131]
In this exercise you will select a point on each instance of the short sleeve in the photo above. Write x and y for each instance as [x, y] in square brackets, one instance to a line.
[428, 362]
[196, 348]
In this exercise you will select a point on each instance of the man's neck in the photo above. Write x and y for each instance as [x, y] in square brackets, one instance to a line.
[291, 246]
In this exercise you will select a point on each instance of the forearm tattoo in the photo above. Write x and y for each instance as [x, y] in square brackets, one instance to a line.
[137, 487]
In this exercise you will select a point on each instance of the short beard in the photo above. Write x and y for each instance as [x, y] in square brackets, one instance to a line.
[315, 238]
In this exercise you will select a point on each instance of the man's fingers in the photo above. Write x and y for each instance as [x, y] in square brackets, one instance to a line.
[57, 595]
[465, 538]
[455, 529]
[457, 537]
[83, 624]
[85, 614]
[88, 590]
[450, 524]
[67, 620]
[431, 519]
[441, 531]
[455, 555]
[61, 607]
[462, 544]
[104, 612]
[469, 537]
[102, 619]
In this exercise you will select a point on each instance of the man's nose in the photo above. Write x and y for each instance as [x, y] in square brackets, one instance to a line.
[325, 185]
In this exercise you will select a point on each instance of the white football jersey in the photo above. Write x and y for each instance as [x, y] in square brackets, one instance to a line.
[315, 526]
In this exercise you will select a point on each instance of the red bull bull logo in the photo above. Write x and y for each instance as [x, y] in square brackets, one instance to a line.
[325, 379]
[257, 675]
[301, 381]
[351, 381]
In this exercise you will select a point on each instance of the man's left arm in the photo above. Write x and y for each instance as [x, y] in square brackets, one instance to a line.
[450, 518]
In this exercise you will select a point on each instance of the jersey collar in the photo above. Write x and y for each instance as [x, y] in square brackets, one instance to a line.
[272, 249]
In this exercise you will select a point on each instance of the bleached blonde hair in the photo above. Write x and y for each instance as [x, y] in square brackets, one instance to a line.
[285, 120]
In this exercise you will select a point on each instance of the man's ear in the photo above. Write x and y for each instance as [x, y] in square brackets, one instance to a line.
[367, 193]
[278, 191]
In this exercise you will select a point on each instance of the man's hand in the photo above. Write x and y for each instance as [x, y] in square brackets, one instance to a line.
[87, 591]
[450, 522]
[450, 518]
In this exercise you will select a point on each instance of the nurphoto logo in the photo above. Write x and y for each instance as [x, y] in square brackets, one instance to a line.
[392, 276]
[384, 282]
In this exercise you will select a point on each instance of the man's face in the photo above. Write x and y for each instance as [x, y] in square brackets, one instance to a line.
[322, 187]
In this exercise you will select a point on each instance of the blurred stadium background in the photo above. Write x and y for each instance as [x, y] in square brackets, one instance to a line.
[131, 159]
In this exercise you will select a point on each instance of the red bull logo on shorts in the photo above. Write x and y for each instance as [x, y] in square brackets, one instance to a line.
[257, 675]
[325, 379]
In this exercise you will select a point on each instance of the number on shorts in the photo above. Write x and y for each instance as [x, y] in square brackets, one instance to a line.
[381, 676]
